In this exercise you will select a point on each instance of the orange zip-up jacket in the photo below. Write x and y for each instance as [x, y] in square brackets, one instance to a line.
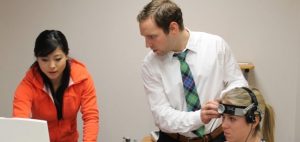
[32, 100]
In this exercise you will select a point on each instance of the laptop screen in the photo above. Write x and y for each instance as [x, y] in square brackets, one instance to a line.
[23, 130]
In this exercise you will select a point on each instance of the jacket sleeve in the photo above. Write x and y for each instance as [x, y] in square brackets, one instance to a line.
[89, 110]
[22, 101]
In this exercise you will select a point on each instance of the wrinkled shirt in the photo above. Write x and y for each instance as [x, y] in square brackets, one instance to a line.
[214, 70]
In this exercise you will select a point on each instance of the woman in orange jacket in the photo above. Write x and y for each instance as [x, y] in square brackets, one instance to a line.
[55, 88]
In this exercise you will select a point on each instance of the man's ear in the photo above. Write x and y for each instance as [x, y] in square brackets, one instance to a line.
[173, 28]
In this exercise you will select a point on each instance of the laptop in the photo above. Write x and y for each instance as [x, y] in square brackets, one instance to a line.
[23, 130]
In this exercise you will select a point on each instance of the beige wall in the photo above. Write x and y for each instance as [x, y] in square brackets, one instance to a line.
[104, 35]
[297, 22]
[267, 34]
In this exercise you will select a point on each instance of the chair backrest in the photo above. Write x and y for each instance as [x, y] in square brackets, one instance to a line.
[23, 130]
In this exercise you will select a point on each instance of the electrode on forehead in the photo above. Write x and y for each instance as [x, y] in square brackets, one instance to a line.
[233, 110]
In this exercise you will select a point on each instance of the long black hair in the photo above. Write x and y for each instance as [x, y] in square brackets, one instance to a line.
[47, 42]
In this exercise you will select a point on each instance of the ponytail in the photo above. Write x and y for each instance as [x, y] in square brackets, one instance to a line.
[268, 124]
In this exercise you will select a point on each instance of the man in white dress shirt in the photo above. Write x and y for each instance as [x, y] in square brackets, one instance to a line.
[211, 62]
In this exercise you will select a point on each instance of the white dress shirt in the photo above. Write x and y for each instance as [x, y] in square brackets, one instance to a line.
[214, 70]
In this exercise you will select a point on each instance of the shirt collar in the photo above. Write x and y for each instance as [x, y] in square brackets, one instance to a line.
[191, 45]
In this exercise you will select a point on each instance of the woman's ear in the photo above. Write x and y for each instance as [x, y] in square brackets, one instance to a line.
[256, 122]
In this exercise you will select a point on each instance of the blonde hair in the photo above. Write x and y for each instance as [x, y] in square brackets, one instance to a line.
[240, 97]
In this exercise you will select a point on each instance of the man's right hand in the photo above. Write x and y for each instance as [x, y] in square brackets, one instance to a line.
[209, 111]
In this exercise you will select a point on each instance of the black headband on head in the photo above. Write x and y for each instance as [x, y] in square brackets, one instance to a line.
[234, 110]
[248, 112]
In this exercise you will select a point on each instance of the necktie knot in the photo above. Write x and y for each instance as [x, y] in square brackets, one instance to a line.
[181, 56]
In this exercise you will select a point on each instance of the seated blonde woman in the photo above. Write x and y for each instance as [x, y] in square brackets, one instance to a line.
[246, 116]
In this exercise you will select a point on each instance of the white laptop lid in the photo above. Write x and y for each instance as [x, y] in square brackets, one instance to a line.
[23, 130]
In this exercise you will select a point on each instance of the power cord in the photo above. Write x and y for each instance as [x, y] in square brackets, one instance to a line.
[210, 130]
[249, 132]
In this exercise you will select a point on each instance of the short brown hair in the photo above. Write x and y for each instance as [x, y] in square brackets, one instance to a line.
[163, 12]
